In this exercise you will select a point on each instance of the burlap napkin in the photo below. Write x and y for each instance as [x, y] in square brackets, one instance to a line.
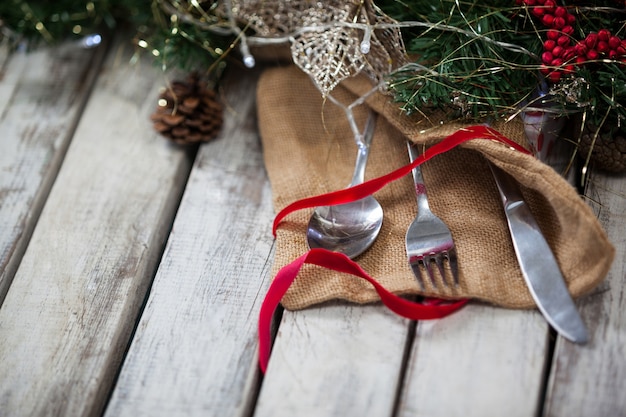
[309, 150]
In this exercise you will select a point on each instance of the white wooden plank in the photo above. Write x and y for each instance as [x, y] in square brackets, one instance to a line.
[481, 361]
[335, 360]
[42, 94]
[74, 300]
[589, 380]
[195, 350]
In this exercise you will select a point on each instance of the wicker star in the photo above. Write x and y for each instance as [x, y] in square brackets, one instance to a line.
[332, 40]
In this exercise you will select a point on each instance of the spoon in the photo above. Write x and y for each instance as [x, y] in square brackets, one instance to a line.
[349, 228]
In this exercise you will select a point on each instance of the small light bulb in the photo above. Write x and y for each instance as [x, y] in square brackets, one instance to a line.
[366, 42]
[92, 40]
[249, 61]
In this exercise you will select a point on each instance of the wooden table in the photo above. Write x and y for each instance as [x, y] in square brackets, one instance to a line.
[132, 273]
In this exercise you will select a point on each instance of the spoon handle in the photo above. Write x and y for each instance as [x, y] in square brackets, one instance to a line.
[364, 149]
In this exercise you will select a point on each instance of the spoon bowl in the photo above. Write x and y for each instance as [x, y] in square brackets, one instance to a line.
[350, 228]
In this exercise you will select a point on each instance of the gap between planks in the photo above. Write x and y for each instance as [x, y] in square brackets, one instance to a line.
[77, 292]
[589, 380]
[31, 163]
[195, 349]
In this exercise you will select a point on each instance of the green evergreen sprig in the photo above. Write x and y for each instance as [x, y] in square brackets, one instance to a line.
[175, 32]
[185, 34]
[55, 20]
[482, 59]
[473, 58]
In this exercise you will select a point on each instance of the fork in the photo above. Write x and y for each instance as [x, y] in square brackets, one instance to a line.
[428, 239]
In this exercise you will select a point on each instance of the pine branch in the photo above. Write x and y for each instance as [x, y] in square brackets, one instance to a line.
[489, 63]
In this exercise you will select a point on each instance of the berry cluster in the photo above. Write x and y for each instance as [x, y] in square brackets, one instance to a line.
[561, 51]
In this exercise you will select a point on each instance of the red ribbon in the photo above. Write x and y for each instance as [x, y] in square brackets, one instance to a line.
[341, 263]
[430, 309]
[369, 187]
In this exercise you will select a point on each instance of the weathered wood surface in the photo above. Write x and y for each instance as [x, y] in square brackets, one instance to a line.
[72, 305]
[194, 352]
[335, 360]
[75, 339]
[590, 380]
[42, 95]
[481, 361]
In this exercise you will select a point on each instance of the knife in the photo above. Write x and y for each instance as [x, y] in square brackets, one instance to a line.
[539, 267]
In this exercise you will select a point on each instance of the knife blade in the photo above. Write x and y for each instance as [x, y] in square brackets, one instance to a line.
[537, 262]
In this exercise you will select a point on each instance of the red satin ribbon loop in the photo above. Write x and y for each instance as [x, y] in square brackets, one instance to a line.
[339, 262]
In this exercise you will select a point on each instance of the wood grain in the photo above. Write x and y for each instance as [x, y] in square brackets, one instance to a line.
[481, 361]
[195, 350]
[74, 300]
[80, 250]
[335, 360]
[42, 95]
[589, 380]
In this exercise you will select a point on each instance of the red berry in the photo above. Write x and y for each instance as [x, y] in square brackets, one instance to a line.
[581, 48]
[559, 22]
[538, 11]
[544, 70]
[569, 53]
[614, 42]
[547, 57]
[568, 30]
[558, 51]
[555, 76]
[560, 11]
[549, 45]
[570, 19]
[591, 40]
[553, 34]
[563, 41]
[580, 60]
[548, 20]
[592, 54]
[604, 35]
[602, 47]
[556, 62]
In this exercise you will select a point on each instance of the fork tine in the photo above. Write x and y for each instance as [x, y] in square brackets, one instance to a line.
[429, 270]
[418, 274]
[439, 262]
[454, 266]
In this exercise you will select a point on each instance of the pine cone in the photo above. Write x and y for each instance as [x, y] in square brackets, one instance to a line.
[609, 150]
[188, 112]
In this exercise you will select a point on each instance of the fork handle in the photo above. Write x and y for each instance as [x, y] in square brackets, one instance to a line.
[418, 180]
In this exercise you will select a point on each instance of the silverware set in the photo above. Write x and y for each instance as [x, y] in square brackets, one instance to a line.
[352, 228]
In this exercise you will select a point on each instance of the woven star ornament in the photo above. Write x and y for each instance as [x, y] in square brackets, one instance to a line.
[330, 40]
